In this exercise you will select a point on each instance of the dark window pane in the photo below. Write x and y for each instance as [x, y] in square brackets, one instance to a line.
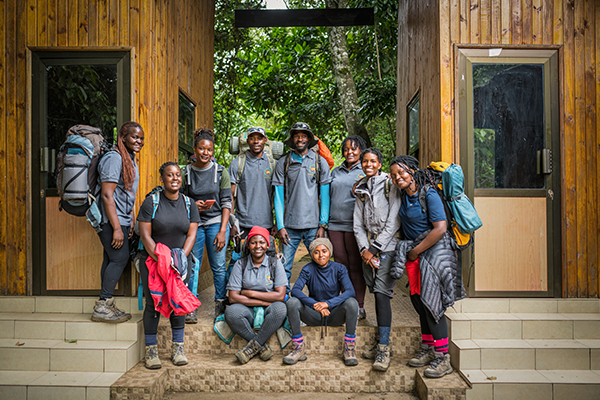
[508, 122]
[79, 94]
[187, 111]
[413, 127]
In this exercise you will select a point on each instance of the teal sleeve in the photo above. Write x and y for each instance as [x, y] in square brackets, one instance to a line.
[325, 201]
[279, 207]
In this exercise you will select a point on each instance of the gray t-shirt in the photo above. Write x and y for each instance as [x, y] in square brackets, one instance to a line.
[254, 278]
[342, 198]
[253, 203]
[301, 205]
[109, 170]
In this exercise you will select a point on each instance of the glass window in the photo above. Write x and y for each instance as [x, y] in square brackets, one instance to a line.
[413, 127]
[187, 118]
[508, 125]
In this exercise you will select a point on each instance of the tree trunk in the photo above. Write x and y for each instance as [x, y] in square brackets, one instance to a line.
[343, 76]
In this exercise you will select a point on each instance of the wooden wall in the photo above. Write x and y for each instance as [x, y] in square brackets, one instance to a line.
[172, 42]
[574, 25]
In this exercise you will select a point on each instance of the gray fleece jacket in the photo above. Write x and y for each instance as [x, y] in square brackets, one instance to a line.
[376, 218]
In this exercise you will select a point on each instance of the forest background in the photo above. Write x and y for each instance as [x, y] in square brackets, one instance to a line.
[340, 80]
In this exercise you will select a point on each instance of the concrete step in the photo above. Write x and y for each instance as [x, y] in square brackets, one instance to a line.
[321, 373]
[527, 326]
[66, 326]
[525, 354]
[58, 355]
[61, 305]
[56, 385]
[201, 339]
[490, 384]
[504, 305]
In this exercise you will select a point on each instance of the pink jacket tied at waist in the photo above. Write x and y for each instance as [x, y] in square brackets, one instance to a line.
[166, 287]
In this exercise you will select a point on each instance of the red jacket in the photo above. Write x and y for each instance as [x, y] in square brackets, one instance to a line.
[166, 287]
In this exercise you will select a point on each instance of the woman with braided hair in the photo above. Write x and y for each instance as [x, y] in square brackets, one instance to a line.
[428, 257]
[118, 178]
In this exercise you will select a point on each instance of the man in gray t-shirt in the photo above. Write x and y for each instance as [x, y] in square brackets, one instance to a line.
[251, 174]
[298, 182]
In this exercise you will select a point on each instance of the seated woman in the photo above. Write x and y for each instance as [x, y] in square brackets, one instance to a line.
[256, 281]
[172, 224]
[331, 296]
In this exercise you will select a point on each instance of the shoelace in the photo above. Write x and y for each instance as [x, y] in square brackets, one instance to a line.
[437, 361]
[380, 356]
[179, 351]
[152, 352]
[422, 354]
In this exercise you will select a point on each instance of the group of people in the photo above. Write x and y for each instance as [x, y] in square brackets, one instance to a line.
[378, 221]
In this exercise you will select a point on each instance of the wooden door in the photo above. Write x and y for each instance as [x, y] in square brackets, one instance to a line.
[70, 88]
[509, 145]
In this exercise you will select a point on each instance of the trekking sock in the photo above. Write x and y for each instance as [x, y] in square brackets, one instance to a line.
[151, 340]
[177, 335]
[441, 346]
[349, 338]
[427, 340]
[384, 335]
[298, 339]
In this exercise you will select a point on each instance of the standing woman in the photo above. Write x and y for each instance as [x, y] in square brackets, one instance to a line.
[430, 263]
[118, 177]
[375, 225]
[208, 184]
[341, 230]
[174, 226]
[256, 280]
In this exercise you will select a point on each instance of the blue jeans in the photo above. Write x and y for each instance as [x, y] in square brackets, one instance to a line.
[289, 250]
[207, 234]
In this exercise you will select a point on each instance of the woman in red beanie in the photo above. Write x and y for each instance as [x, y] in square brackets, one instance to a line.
[256, 280]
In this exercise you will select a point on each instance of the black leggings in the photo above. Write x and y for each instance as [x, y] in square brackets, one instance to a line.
[383, 309]
[438, 330]
[151, 316]
[114, 262]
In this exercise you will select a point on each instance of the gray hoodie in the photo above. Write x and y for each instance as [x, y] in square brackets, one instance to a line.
[376, 218]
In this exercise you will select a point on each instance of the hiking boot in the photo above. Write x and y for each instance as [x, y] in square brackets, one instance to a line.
[178, 354]
[349, 354]
[362, 314]
[372, 352]
[219, 308]
[298, 354]
[249, 351]
[382, 360]
[439, 367]
[118, 312]
[425, 357]
[265, 352]
[152, 361]
[192, 318]
[104, 312]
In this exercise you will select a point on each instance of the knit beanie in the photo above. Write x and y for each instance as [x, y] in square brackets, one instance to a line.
[320, 241]
[258, 230]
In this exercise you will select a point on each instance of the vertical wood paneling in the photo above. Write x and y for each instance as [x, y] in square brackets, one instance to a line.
[527, 19]
[4, 20]
[496, 21]
[474, 21]
[597, 72]
[464, 21]
[591, 147]
[516, 23]
[558, 21]
[506, 26]
[160, 38]
[537, 24]
[486, 27]
[548, 27]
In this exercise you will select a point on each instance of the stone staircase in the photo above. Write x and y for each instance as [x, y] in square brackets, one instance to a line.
[527, 348]
[50, 349]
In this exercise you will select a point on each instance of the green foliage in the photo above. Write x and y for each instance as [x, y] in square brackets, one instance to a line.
[484, 158]
[277, 76]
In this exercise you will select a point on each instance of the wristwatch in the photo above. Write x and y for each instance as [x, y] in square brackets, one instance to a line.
[324, 226]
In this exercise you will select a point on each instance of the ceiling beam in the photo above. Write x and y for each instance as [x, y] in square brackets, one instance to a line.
[314, 17]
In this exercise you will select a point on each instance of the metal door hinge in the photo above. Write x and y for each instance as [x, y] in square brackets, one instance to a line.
[544, 161]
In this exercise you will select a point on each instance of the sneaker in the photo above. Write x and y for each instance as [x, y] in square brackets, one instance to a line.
[192, 318]
[372, 352]
[382, 360]
[178, 354]
[349, 354]
[219, 308]
[439, 367]
[249, 351]
[104, 312]
[120, 313]
[298, 354]
[265, 352]
[151, 360]
[362, 314]
[425, 357]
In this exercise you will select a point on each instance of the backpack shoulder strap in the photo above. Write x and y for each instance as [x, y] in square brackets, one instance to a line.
[155, 201]
[318, 168]
[273, 266]
[188, 204]
[188, 179]
[288, 157]
[387, 188]
[272, 163]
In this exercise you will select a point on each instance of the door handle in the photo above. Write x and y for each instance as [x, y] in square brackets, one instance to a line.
[544, 161]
